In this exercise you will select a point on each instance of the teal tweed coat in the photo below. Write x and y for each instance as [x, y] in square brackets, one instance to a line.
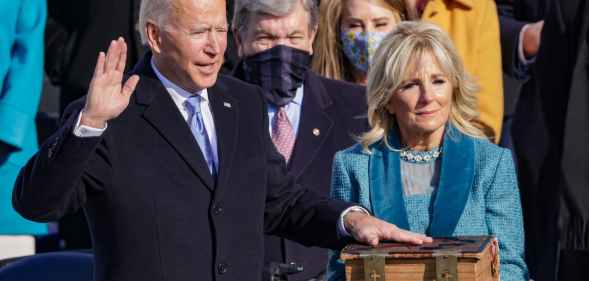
[477, 195]
[21, 75]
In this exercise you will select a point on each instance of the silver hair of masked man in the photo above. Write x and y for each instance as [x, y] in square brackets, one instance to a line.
[245, 8]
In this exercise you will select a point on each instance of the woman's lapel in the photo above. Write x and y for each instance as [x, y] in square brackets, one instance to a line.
[456, 179]
[386, 188]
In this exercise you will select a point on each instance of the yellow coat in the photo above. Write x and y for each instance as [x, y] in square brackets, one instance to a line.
[473, 26]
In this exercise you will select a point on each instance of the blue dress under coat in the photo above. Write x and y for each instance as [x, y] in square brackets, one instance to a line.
[477, 194]
[22, 27]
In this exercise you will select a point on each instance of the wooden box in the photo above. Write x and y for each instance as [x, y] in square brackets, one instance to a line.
[465, 258]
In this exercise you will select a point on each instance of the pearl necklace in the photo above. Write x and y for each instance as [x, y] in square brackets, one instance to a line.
[414, 156]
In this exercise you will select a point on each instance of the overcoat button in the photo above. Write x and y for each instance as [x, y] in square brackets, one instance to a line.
[221, 268]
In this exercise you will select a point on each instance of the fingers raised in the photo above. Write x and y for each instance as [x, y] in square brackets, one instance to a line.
[112, 56]
[122, 59]
[130, 85]
[99, 68]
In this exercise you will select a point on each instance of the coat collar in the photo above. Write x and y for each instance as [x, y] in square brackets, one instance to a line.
[225, 110]
[456, 179]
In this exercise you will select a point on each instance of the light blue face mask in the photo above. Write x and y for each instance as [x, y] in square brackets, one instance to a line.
[359, 47]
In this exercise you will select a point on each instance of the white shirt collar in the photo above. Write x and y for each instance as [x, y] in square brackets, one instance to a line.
[178, 94]
[298, 99]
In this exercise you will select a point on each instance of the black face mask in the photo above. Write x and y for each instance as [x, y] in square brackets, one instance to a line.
[279, 71]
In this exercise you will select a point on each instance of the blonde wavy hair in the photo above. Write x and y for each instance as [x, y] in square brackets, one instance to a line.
[402, 48]
[328, 59]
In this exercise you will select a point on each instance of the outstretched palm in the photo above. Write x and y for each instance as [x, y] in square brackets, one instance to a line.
[108, 96]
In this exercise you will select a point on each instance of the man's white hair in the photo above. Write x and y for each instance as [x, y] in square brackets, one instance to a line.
[156, 11]
[245, 8]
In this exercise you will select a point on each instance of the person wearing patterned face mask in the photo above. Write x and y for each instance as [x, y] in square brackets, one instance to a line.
[309, 117]
[349, 34]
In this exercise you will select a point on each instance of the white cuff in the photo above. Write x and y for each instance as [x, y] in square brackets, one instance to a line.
[83, 131]
[520, 48]
[341, 228]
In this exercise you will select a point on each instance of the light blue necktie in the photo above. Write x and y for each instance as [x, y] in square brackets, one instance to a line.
[199, 131]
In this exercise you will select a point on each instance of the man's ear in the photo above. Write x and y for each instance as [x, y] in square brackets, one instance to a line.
[238, 42]
[312, 36]
[153, 33]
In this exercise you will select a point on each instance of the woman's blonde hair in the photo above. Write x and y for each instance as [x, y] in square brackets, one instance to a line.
[328, 59]
[393, 61]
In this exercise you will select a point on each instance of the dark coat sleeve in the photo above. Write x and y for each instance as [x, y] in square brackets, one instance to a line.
[60, 175]
[510, 29]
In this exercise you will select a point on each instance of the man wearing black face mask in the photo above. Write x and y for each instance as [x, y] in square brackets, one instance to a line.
[310, 117]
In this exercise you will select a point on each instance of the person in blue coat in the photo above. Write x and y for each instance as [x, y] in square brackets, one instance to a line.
[21, 75]
[424, 166]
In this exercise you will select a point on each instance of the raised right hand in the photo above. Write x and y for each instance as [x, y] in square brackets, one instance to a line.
[107, 96]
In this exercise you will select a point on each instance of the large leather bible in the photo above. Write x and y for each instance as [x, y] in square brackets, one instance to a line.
[465, 258]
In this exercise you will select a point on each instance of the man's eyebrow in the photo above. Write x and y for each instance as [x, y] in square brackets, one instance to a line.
[295, 32]
[258, 31]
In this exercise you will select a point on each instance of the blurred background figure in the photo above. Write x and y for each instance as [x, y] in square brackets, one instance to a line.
[310, 117]
[21, 74]
[349, 33]
[521, 23]
[550, 133]
[76, 32]
[473, 26]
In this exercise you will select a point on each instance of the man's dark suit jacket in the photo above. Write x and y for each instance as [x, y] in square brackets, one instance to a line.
[154, 210]
[551, 139]
[520, 90]
[513, 15]
[332, 113]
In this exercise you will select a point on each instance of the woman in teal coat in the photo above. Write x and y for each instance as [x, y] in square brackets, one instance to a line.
[21, 75]
[424, 166]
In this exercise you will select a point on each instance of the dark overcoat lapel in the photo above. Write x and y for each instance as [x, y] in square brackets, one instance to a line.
[225, 111]
[450, 197]
[315, 125]
[163, 115]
